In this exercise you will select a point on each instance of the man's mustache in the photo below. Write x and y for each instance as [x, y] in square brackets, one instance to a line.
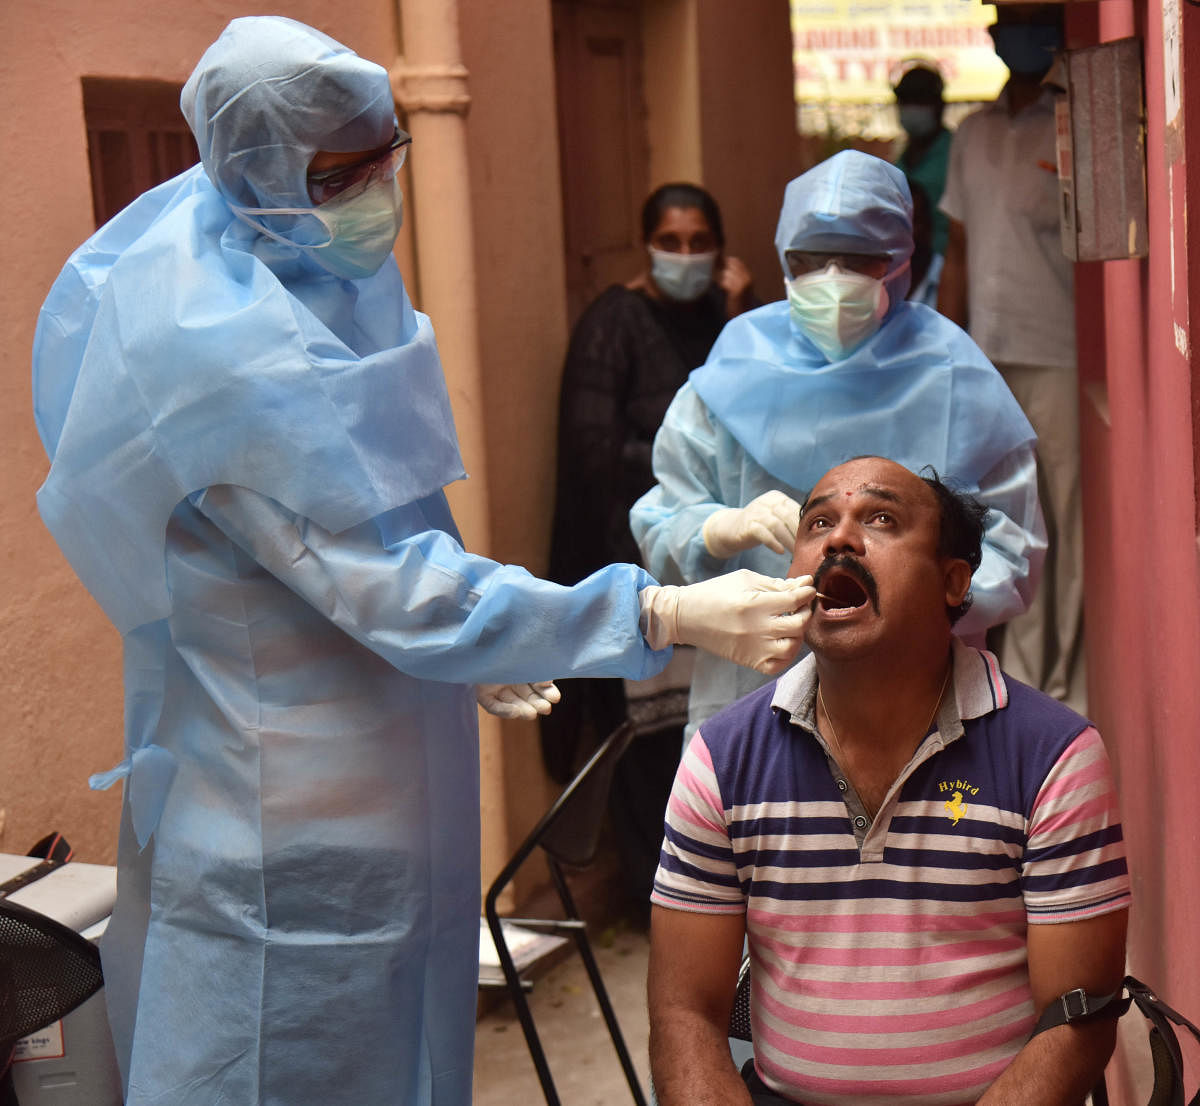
[852, 568]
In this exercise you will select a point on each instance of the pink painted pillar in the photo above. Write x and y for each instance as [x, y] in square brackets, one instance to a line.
[1139, 438]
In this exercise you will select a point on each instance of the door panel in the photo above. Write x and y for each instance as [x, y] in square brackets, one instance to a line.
[603, 143]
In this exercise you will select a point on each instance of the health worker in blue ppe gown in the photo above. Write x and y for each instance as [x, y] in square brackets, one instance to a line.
[843, 367]
[249, 434]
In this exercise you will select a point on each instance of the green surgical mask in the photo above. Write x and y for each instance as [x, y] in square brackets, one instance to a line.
[359, 232]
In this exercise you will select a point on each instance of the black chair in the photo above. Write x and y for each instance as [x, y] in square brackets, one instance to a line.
[568, 834]
[739, 1016]
[46, 970]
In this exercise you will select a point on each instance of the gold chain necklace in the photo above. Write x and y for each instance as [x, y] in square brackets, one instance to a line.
[837, 744]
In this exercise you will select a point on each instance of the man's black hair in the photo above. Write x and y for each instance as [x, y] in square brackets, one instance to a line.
[680, 194]
[960, 529]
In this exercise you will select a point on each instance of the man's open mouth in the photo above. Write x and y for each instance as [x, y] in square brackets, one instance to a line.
[844, 587]
[841, 590]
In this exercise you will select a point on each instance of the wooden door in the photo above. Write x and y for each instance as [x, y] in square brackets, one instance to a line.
[603, 143]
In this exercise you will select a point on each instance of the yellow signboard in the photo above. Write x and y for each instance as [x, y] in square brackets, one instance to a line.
[849, 53]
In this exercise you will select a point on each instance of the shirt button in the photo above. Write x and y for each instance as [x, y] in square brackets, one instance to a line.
[841, 785]
[860, 822]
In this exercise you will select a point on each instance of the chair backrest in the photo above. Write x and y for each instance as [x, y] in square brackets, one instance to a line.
[46, 970]
[570, 829]
[739, 1016]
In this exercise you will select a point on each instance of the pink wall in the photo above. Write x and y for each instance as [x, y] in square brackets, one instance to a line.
[1137, 360]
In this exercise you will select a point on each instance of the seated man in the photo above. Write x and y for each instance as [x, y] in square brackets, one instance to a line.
[922, 853]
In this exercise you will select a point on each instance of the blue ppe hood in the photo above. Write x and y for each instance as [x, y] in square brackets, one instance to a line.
[855, 203]
[901, 395]
[270, 93]
[180, 348]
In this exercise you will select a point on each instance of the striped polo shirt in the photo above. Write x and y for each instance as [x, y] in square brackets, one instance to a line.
[888, 958]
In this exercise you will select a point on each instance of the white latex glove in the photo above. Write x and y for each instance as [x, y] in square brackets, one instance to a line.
[517, 700]
[771, 520]
[750, 619]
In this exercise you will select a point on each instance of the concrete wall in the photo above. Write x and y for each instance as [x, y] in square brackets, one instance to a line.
[60, 688]
[748, 119]
[720, 111]
[671, 76]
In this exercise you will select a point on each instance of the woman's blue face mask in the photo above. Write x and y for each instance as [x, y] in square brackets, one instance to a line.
[1027, 49]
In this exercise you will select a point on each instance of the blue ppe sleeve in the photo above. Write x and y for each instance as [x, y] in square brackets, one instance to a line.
[1014, 543]
[404, 588]
[694, 460]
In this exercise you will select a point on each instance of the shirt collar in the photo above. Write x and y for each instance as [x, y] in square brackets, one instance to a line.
[978, 683]
[1043, 103]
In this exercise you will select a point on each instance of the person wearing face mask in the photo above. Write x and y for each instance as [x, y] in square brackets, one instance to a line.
[1007, 281]
[629, 353]
[844, 366]
[249, 434]
[926, 152]
[919, 106]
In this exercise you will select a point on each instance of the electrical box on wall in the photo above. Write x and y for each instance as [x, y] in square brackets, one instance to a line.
[1101, 128]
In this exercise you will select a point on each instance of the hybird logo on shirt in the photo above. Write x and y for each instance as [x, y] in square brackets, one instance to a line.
[955, 807]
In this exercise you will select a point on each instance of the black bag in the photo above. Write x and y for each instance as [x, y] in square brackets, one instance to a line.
[1169, 1085]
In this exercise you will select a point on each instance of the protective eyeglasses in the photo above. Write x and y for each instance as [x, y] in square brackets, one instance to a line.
[349, 181]
[802, 262]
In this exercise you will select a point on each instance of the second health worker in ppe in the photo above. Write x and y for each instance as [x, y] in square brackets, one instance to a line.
[843, 367]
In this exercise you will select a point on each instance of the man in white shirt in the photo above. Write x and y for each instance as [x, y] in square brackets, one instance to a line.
[1008, 283]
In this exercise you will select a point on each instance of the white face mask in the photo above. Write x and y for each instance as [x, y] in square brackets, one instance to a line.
[837, 310]
[361, 230]
[681, 276]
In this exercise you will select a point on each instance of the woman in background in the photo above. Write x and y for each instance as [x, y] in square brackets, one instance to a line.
[631, 350]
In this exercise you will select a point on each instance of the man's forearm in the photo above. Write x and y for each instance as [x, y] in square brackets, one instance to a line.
[691, 1065]
[1056, 1068]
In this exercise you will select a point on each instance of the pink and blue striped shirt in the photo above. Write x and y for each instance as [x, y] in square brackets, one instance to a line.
[888, 957]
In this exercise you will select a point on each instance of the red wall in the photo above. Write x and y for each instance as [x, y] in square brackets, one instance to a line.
[1139, 424]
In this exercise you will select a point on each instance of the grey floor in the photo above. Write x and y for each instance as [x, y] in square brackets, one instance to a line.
[581, 1058]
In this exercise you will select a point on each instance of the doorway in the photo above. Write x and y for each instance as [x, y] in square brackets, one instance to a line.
[603, 143]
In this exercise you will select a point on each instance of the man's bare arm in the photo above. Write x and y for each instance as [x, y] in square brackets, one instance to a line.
[694, 960]
[952, 285]
[1059, 1067]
